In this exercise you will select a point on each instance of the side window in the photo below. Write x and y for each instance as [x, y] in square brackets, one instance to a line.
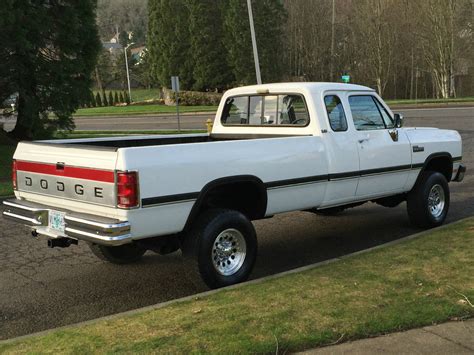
[335, 111]
[263, 110]
[386, 117]
[365, 113]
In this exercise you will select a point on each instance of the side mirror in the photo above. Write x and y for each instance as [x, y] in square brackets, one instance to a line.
[398, 120]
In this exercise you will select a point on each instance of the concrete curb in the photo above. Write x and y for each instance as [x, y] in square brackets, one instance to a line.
[212, 292]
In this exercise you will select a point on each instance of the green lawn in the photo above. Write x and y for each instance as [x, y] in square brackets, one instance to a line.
[161, 109]
[430, 101]
[416, 283]
[145, 94]
[137, 94]
[140, 110]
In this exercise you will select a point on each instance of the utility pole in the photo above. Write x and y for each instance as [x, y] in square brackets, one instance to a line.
[128, 72]
[331, 63]
[254, 43]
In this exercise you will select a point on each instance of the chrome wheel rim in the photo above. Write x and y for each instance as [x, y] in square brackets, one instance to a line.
[228, 252]
[436, 201]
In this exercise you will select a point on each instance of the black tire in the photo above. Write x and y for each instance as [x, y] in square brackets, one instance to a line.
[123, 254]
[418, 200]
[200, 247]
[332, 211]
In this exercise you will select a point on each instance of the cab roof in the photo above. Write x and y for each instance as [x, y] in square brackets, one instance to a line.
[313, 87]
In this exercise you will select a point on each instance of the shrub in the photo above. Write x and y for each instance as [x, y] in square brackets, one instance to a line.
[111, 99]
[104, 100]
[98, 100]
[116, 98]
[92, 100]
[195, 98]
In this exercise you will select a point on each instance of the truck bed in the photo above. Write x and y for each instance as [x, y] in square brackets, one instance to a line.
[145, 141]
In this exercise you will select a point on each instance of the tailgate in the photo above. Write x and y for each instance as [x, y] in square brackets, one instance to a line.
[66, 171]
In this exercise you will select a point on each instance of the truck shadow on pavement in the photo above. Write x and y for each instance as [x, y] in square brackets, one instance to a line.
[42, 288]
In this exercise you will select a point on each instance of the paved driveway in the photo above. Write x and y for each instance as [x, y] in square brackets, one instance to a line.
[41, 288]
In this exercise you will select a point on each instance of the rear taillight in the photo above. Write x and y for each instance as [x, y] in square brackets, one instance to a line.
[127, 189]
[14, 175]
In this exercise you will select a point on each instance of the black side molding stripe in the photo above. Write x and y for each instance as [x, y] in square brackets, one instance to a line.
[296, 181]
[385, 170]
[151, 201]
[169, 198]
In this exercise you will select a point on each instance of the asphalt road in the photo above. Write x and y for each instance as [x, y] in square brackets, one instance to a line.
[41, 288]
[198, 121]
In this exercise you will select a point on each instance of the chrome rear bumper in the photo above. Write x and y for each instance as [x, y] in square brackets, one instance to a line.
[89, 228]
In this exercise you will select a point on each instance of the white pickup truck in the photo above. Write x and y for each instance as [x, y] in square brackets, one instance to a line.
[318, 147]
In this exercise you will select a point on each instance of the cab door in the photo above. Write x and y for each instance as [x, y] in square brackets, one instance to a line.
[384, 150]
[343, 155]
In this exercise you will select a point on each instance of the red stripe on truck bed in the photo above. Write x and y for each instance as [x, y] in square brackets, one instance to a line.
[67, 171]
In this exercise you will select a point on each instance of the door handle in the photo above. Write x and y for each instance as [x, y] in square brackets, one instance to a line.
[365, 139]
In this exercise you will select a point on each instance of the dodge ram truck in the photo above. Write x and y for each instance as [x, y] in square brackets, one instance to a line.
[273, 148]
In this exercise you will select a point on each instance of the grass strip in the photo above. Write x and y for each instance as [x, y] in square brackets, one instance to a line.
[162, 109]
[412, 284]
[430, 101]
[140, 110]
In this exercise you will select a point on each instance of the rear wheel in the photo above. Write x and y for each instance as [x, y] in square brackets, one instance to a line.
[221, 247]
[428, 202]
[123, 254]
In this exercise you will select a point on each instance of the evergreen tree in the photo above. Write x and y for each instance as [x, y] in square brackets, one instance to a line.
[121, 99]
[98, 100]
[169, 42]
[105, 103]
[116, 98]
[48, 51]
[210, 70]
[92, 100]
[111, 99]
[127, 98]
[269, 16]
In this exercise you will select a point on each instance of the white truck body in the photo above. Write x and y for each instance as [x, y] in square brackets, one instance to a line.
[300, 167]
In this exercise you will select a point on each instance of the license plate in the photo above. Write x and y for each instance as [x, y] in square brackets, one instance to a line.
[56, 220]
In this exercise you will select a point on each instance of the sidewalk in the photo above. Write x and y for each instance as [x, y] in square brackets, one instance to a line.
[446, 338]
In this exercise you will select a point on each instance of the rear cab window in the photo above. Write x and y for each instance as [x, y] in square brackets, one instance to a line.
[266, 110]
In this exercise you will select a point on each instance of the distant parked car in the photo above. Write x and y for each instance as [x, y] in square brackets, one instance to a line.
[11, 101]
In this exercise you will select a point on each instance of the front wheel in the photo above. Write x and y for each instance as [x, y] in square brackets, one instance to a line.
[428, 202]
[221, 247]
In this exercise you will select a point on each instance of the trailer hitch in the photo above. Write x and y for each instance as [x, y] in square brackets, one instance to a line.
[61, 242]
